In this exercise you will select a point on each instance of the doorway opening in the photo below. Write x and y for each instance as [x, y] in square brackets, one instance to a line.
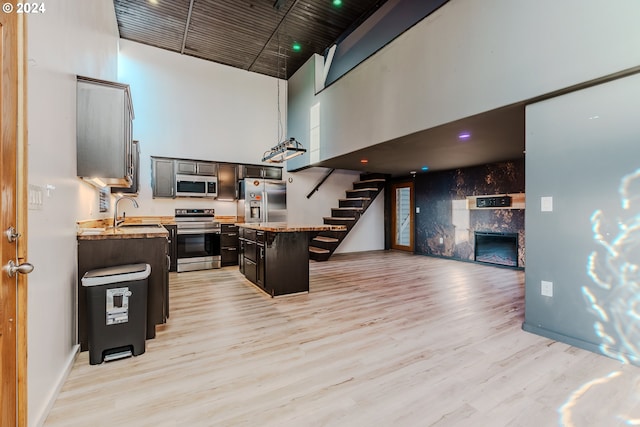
[402, 218]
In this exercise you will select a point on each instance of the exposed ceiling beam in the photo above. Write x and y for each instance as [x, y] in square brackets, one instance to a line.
[278, 3]
[186, 27]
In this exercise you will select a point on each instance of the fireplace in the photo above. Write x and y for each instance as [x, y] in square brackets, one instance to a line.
[496, 248]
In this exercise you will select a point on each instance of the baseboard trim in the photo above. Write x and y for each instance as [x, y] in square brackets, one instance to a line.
[575, 342]
[42, 416]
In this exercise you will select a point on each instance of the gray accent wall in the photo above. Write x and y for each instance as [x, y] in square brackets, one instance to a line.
[582, 150]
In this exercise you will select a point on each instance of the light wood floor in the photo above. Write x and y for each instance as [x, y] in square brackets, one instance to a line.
[382, 339]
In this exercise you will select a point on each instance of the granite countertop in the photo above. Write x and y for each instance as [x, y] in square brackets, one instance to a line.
[128, 231]
[226, 219]
[284, 227]
[133, 228]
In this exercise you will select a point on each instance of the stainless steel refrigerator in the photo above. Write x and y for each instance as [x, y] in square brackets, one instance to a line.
[262, 200]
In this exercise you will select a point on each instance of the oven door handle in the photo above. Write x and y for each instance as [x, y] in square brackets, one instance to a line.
[201, 231]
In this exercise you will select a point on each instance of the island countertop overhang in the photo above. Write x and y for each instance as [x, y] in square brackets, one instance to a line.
[283, 227]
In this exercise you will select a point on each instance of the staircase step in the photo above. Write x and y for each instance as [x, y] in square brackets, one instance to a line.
[339, 218]
[327, 243]
[338, 235]
[326, 239]
[348, 212]
[369, 183]
[366, 176]
[363, 189]
[354, 202]
[350, 208]
[362, 192]
[348, 222]
[318, 250]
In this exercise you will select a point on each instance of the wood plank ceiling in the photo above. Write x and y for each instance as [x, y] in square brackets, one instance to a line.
[253, 35]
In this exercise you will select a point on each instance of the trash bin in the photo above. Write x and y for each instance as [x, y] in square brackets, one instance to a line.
[116, 311]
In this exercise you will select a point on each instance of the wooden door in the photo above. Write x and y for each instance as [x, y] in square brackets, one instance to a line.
[13, 405]
[402, 218]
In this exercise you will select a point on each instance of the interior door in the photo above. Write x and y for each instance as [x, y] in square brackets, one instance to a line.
[13, 293]
[402, 201]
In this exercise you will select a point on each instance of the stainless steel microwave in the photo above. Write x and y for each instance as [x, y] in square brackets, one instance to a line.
[196, 186]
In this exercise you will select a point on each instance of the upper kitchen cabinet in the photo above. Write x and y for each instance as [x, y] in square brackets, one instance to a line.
[135, 183]
[194, 167]
[163, 177]
[104, 132]
[227, 181]
[254, 171]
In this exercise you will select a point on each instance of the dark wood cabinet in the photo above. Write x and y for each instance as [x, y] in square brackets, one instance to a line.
[229, 244]
[270, 172]
[162, 177]
[104, 131]
[260, 266]
[100, 253]
[241, 244]
[173, 246]
[227, 181]
[250, 270]
[257, 171]
[135, 176]
[276, 262]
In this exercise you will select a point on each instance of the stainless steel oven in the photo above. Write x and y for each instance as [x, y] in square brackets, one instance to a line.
[198, 236]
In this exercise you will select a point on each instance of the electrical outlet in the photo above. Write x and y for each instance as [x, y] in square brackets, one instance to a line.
[441, 241]
[546, 288]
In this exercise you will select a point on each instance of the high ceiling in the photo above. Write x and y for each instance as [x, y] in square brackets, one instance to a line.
[253, 35]
[258, 36]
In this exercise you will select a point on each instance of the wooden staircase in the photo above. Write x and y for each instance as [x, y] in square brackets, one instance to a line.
[348, 212]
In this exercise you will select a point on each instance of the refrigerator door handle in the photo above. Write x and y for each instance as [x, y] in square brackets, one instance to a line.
[265, 205]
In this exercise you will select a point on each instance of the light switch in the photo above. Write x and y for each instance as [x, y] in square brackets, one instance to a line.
[36, 197]
[417, 209]
[546, 204]
[546, 288]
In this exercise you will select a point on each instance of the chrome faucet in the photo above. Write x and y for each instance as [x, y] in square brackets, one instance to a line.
[117, 222]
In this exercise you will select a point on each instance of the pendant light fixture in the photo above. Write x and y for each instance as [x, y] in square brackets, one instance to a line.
[290, 147]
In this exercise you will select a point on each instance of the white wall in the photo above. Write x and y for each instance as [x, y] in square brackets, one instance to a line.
[473, 56]
[72, 37]
[191, 108]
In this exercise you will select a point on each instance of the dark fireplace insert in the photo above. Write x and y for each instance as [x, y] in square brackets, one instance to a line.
[496, 248]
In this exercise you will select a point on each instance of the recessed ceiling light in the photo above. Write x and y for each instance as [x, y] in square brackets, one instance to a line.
[337, 3]
[425, 168]
[296, 47]
[464, 136]
[364, 161]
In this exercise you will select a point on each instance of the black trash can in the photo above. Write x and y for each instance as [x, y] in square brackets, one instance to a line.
[116, 311]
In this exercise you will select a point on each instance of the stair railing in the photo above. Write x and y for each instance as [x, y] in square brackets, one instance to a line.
[320, 183]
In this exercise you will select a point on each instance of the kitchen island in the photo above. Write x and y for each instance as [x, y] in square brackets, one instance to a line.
[275, 256]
